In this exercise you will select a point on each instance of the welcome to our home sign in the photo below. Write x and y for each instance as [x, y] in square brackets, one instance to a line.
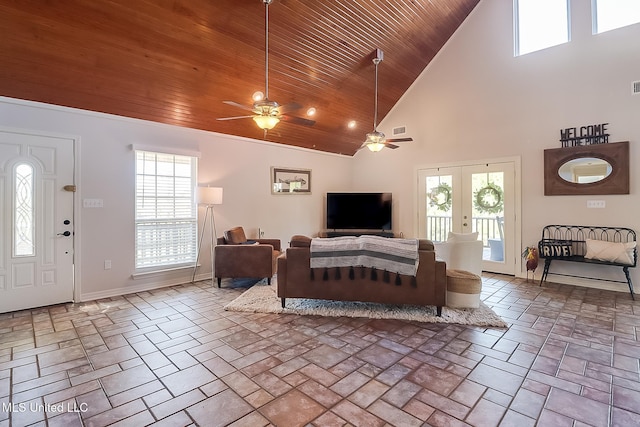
[584, 135]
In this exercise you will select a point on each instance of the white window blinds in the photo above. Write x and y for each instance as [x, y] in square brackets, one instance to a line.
[166, 223]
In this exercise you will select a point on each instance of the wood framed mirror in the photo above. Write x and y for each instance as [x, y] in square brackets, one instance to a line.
[587, 170]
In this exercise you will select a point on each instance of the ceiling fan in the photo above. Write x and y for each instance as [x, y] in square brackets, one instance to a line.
[376, 141]
[268, 113]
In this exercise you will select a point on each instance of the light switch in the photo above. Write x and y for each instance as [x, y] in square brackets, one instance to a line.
[596, 204]
[92, 203]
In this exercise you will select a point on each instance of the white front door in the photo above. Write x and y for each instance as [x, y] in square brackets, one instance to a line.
[36, 220]
[472, 198]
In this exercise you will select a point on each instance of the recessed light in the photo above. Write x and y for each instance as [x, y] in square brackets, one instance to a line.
[257, 96]
[351, 124]
[311, 111]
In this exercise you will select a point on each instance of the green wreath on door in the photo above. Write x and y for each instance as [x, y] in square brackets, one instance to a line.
[489, 199]
[440, 197]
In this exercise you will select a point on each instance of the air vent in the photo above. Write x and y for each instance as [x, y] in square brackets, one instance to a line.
[401, 130]
[636, 88]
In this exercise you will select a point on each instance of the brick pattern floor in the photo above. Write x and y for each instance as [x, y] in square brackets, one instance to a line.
[174, 357]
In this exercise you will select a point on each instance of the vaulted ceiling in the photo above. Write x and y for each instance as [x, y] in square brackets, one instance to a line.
[176, 61]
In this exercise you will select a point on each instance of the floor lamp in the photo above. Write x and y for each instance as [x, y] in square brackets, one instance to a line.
[208, 196]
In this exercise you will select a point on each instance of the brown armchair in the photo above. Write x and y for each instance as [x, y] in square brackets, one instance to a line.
[235, 256]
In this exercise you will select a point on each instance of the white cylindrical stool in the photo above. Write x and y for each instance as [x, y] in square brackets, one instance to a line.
[463, 289]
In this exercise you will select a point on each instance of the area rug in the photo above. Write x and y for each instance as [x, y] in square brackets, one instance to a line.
[262, 298]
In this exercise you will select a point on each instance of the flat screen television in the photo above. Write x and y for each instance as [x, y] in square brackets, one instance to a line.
[359, 211]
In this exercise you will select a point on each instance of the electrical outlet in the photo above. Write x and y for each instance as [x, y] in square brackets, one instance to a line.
[107, 264]
[596, 204]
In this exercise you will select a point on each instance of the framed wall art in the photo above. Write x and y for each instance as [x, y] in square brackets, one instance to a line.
[290, 181]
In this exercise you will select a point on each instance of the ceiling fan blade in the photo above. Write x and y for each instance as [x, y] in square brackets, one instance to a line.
[236, 104]
[291, 106]
[234, 118]
[297, 120]
[399, 140]
[392, 146]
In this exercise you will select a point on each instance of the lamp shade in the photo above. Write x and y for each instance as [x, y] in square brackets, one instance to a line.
[375, 146]
[209, 195]
[266, 122]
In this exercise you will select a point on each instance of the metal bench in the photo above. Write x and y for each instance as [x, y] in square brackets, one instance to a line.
[568, 243]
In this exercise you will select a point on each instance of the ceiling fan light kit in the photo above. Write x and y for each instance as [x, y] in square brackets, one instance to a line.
[375, 146]
[267, 113]
[376, 141]
[266, 122]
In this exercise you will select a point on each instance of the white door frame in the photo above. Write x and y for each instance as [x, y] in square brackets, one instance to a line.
[76, 198]
[517, 221]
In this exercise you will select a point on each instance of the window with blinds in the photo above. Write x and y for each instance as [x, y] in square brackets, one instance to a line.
[166, 223]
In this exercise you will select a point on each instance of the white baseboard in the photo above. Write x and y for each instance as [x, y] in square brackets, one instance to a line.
[606, 285]
[91, 296]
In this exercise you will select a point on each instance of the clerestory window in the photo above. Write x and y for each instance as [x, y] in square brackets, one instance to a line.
[539, 24]
[612, 14]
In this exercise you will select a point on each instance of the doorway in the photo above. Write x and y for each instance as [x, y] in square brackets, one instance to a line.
[36, 220]
[472, 198]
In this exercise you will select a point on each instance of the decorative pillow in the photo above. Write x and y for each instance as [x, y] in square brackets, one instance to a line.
[462, 237]
[235, 236]
[556, 249]
[621, 253]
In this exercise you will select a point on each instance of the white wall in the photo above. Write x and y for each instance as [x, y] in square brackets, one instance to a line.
[477, 101]
[106, 171]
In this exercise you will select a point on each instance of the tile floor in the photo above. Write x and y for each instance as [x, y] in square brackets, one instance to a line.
[174, 357]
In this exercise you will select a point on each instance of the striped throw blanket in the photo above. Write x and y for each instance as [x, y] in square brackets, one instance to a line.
[392, 255]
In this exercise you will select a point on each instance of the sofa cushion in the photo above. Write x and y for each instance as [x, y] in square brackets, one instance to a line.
[462, 237]
[235, 236]
[299, 241]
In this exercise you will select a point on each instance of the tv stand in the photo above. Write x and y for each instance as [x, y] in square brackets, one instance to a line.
[340, 233]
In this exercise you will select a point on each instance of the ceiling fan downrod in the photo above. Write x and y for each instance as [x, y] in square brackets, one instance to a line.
[266, 47]
[379, 56]
[376, 61]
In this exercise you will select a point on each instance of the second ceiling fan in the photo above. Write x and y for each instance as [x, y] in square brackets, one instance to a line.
[268, 113]
[376, 141]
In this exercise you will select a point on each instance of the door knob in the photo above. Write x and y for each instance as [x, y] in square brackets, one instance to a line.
[465, 224]
[66, 234]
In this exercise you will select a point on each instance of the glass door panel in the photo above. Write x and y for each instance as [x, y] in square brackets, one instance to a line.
[474, 198]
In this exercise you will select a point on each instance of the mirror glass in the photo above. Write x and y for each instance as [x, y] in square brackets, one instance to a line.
[585, 170]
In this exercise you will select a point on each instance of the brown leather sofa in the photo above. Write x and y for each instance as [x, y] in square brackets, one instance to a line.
[235, 256]
[295, 280]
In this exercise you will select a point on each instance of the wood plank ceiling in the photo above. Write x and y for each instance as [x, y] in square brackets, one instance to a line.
[176, 61]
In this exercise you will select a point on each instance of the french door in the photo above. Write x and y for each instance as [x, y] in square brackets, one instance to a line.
[472, 198]
[36, 220]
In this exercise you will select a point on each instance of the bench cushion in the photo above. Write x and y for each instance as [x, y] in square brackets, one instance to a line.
[622, 253]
